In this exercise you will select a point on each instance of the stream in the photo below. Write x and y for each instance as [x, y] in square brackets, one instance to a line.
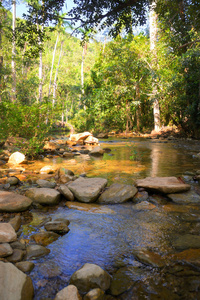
[110, 237]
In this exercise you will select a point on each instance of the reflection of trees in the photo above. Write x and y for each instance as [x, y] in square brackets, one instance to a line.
[155, 160]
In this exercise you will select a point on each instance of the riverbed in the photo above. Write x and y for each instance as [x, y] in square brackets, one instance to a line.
[111, 237]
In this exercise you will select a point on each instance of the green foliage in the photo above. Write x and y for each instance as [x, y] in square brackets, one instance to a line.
[25, 121]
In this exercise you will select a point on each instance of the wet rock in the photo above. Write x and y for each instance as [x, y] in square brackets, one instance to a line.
[49, 269]
[16, 223]
[186, 241]
[7, 233]
[12, 180]
[117, 193]
[45, 238]
[166, 185]
[140, 196]
[65, 191]
[25, 266]
[14, 284]
[68, 154]
[5, 250]
[46, 184]
[92, 208]
[34, 251]
[59, 227]
[144, 205]
[44, 196]
[16, 256]
[97, 151]
[68, 293]
[90, 276]
[16, 158]
[87, 189]
[149, 258]
[185, 198]
[18, 245]
[95, 294]
[191, 256]
[12, 202]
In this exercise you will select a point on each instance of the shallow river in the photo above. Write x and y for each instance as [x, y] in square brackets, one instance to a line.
[110, 237]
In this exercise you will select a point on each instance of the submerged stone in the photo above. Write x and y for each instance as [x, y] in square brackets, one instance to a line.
[185, 198]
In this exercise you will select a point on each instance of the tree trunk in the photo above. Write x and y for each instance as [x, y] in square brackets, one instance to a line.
[153, 41]
[54, 53]
[56, 74]
[13, 64]
[40, 68]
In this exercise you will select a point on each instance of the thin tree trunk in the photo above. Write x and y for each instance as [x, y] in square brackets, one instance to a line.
[56, 74]
[40, 69]
[54, 53]
[13, 64]
[153, 41]
[1, 57]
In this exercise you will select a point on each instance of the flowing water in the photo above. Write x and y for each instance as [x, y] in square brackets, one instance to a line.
[110, 235]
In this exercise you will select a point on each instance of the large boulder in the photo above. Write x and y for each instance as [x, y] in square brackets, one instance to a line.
[12, 202]
[166, 185]
[44, 196]
[117, 193]
[7, 233]
[90, 140]
[90, 276]
[79, 136]
[16, 158]
[14, 284]
[87, 189]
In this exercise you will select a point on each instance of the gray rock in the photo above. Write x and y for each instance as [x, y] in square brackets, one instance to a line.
[18, 245]
[12, 180]
[5, 250]
[16, 222]
[14, 284]
[185, 198]
[65, 191]
[87, 189]
[117, 193]
[141, 196]
[68, 293]
[44, 196]
[7, 233]
[16, 256]
[46, 184]
[90, 276]
[12, 202]
[45, 238]
[49, 269]
[68, 154]
[97, 151]
[25, 266]
[59, 227]
[34, 251]
[166, 185]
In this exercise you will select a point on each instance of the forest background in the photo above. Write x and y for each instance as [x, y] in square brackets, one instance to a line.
[132, 82]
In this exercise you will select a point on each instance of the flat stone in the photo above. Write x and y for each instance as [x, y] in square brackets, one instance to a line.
[117, 193]
[44, 196]
[191, 256]
[186, 241]
[25, 266]
[14, 284]
[149, 258]
[12, 202]
[65, 191]
[144, 205]
[90, 207]
[90, 276]
[87, 189]
[46, 184]
[45, 238]
[34, 251]
[79, 136]
[5, 250]
[166, 185]
[68, 154]
[7, 233]
[68, 293]
[185, 198]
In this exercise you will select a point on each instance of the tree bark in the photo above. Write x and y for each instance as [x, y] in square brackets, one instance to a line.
[153, 41]
[56, 74]
[13, 63]
[54, 53]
